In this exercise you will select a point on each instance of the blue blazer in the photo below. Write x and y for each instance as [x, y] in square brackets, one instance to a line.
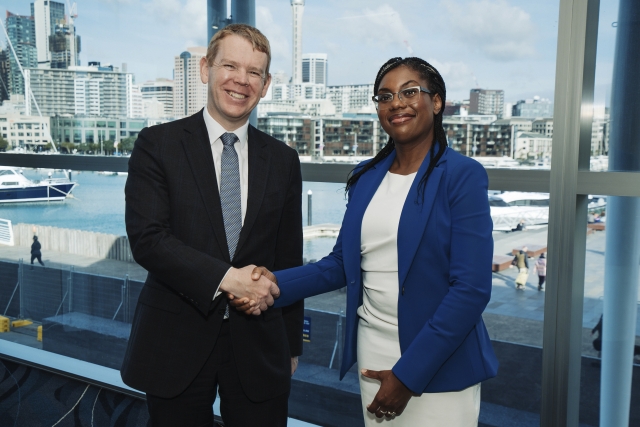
[445, 249]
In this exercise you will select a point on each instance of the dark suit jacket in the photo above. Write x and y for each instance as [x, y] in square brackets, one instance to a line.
[175, 227]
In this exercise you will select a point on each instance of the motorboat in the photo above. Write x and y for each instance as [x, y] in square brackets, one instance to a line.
[15, 187]
[514, 208]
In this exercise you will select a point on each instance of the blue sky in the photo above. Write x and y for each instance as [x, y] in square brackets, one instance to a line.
[493, 44]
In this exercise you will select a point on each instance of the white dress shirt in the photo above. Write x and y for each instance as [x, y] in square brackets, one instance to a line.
[215, 131]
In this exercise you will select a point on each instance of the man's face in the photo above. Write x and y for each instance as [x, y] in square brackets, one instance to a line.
[236, 81]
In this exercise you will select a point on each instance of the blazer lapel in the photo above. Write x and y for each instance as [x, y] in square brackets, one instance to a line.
[363, 193]
[198, 151]
[258, 173]
[415, 215]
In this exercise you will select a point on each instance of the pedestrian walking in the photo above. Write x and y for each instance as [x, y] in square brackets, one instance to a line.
[521, 261]
[35, 251]
[541, 269]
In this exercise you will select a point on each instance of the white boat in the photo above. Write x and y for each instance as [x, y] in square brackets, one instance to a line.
[508, 209]
[15, 187]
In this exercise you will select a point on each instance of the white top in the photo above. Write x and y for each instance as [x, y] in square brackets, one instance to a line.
[379, 249]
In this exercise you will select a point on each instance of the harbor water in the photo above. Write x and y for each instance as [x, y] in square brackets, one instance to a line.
[98, 205]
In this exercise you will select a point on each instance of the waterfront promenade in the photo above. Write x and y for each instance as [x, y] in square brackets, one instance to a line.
[512, 315]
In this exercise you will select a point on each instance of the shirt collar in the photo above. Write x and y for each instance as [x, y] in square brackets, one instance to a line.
[215, 129]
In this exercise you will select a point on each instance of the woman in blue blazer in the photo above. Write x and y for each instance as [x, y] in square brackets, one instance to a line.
[415, 292]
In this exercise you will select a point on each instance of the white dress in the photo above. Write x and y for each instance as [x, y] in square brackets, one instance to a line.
[378, 343]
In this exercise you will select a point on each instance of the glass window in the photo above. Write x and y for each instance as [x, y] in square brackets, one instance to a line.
[88, 136]
[136, 125]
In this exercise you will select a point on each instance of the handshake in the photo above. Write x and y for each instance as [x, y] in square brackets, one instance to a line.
[250, 289]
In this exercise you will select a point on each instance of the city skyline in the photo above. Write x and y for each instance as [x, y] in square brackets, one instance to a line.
[490, 44]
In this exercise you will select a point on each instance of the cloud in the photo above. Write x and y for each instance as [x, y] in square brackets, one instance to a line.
[188, 18]
[275, 33]
[501, 31]
[379, 27]
[457, 75]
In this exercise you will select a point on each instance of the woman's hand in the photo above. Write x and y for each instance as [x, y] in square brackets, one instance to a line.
[392, 397]
[247, 306]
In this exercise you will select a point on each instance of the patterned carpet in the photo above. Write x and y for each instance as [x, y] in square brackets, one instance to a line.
[31, 397]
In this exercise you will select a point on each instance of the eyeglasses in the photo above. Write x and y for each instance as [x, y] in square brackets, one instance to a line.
[408, 96]
[252, 74]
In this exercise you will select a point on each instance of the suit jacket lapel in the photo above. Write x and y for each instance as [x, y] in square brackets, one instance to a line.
[363, 193]
[198, 151]
[415, 215]
[258, 172]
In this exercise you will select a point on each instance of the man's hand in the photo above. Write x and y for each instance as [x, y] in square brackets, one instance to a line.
[294, 365]
[246, 304]
[256, 289]
[392, 397]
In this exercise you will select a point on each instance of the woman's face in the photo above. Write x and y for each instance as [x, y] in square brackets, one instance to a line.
[408, 121]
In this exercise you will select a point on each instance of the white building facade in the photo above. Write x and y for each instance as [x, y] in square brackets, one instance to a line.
[154, 92]
[26, 132]
[92, 91]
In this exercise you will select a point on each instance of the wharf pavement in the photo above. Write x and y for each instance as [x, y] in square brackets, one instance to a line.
[511, 315]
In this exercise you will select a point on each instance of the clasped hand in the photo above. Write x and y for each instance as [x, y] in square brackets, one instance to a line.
[250, 289]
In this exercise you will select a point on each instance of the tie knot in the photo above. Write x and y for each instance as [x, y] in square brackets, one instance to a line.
[228, 139]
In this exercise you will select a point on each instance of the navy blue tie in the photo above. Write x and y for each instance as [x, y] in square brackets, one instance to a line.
[230, 193]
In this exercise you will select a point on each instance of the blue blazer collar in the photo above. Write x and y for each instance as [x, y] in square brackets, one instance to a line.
[413, 219]
[415, 213]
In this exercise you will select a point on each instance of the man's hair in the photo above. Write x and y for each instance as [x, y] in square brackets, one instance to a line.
[247, 32]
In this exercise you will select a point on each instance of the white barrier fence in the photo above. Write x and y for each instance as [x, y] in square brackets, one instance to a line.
[6, 232]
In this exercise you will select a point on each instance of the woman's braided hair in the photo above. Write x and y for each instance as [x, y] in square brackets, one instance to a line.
[435, 84]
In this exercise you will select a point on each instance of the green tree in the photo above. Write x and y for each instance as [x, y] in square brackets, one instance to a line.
[108, 147]
[67, 147]
[4, 144]
[126, 145]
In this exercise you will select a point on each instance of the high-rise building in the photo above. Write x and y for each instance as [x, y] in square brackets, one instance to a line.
[533, 108]
[297, 7]
[158, 90]
[189, 93]
[89, 91]
[135, 108]
[314, 68]
[486, 101]
[47, 15]
[22, 35]
[4, 74]
[64, 45]
[351, 98]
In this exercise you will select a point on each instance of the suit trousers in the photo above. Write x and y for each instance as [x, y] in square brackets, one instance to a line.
[194, 406]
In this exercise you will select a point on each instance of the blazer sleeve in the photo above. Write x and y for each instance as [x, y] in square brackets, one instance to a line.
[315, 278]
[289, 253]
[470, 280]
[189, 272]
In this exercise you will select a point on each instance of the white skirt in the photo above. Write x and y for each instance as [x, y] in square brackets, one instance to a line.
[379, 349]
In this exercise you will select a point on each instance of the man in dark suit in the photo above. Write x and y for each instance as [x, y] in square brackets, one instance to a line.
[207, 197]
